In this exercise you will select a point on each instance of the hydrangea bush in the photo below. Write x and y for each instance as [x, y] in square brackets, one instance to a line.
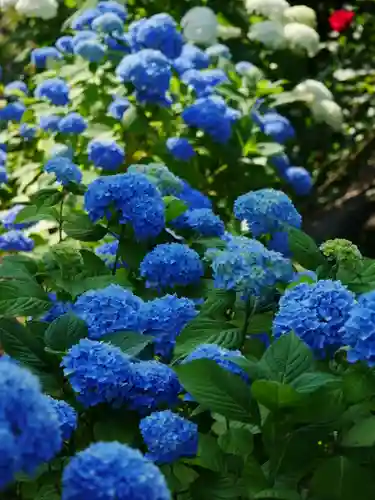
[159, 343]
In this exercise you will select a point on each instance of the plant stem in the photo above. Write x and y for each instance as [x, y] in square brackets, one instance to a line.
[61, 218]
[249, 310]
[117, 258]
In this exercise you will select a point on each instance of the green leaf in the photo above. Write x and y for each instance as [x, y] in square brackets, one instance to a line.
[47, 197]
[66, 258]
[22, 298]
[129, 342]
[260, 323]
[269, 148]
[33, 213]
[80, 227]
[286, 359]
[254, 477]
[210, 455]
[173, 207]
[216, 389]
[217, 487]
[64, 332]
[278, 493]
[304, 249]
[358, 385]
[311, 382]
[93, 265]
[360, 278]
[83, 284]
[117, 426]
[362, 434]
[218, 302]
[237, 441]
[21, 261]
[274, 395]
[204, 244]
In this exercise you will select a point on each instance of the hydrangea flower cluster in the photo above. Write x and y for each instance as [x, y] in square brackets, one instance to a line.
[67, 417]
[8, 218]
[203, 82]
[166, 182]
[55, 90]
[107, 251]
[204, 222]
[107, 155]
[180, 148]
[16, 241]
[64, 169]
[58, 309]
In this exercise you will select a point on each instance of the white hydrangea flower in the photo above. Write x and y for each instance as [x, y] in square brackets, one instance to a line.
[269, 33]
[228, 32]
[45, 9]
[312, 90]
[329, 112]
[273, 9]
[300, 37]
[7, 4]
[300, 14]
[200, 25]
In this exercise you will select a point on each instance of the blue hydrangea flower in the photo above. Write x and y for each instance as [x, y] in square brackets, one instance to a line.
[159, 32]
[247, 266]
[118, 107]
[27, 132]
[281, 163]
[67, 417]
[191, 58]
[316, 313]
[49, 123]
[61, 150]
[13, 111]
[41, 56]
[213, 116]
[266, 211]
[3, 175]
[193, 198]
[85, 19]
[107, 251]
[98, 373]
[108, 471]
[16, 241]
[148, 70]
[8, 218]
[55, 90]
[359, 330]
[72, 123]
[114, 7]
[83, 35]
[203, 82]
[277, 126]
[164, 318]
[29, 425]
[169, 437]
[136, 199]
[3, 157]
[118, 42]
[180, 148]
[218, 50]
[109, 310]
[58, 309]
[279, 242]
[90, 49]
[17, 85]
[204, 222]
[64, 169]
[299, 179]
[108, 22]
[106, 154]
[244, 67]
[166, 182]
[171, 264]
[65, 44]
[153, 385]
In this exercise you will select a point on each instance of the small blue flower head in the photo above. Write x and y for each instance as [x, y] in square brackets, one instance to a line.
[110, 470]
[13, 111]
[148, 70]
[118, 107]
[49, 123]
[109, 22]
[203, 82]
[266, 211]
[118, 42]
[83, 35]
[61, 150]
[277, 126]
[164, 318]
[72, 123]
[64, 169]
[169, 437]
[98, 372]
[41, 56]
[191, 58]
[113, 7]
[218, 50]
[8, 218]
[193, 198]
[213, 116]
[16, 241]
[29, 425]
[65, 44]
[90, 49]
[166, 182]
[154, 385]
[171, 264]
[106, 154]
[316, 313]
[159, 32]
[281, 163]
[133, 196]
[16, 87]
[3, 175]
[27, 132]
[359, 330]
[244, 67]
[299, 179]
[84, 20]
[3, 157]
[279, 242]
[204, 222]
[58, 309]
[180, 148]
[107, 251]
[54, 90]
[108, 310]
[67, 417]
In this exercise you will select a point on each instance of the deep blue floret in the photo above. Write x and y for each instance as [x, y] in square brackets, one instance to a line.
[58, 309]
[9, 217]
[204, 222]
[106, 154]
[16, 241]
[55, 90]
[27, 132]
[118, 107]
[41, 56]
[49, 123]
[191, 58]
[299, 179]
[17, 85]
[203, 82]
[108, 22]
[67, 417]
[180, 148]
[90, 49]
[13, 111]
[64, 169]
[72, 123]
[65, 44]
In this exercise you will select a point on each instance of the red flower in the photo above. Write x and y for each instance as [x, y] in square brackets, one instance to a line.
[340, 20]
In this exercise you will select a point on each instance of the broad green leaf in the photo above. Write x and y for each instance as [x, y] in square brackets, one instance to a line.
[274, 395]
[216, 389]
[117, 426]
[237, 441]
[64, 332]
[304, 249]
[21, 261]
[66, 258]
[93, 265]
[358, 385]
[203, 244]
[47, 197]
[129, 342]
[359, 279]
[22, 298]
[210, 455]
[80, 227]
[278, 493]
[217, 487]
[254, 476]
[269, 148]
[362, 434]
[33, 213]
[311, 382]
[218, 302]
[260, 323]
[286, 359]
[173, 207]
